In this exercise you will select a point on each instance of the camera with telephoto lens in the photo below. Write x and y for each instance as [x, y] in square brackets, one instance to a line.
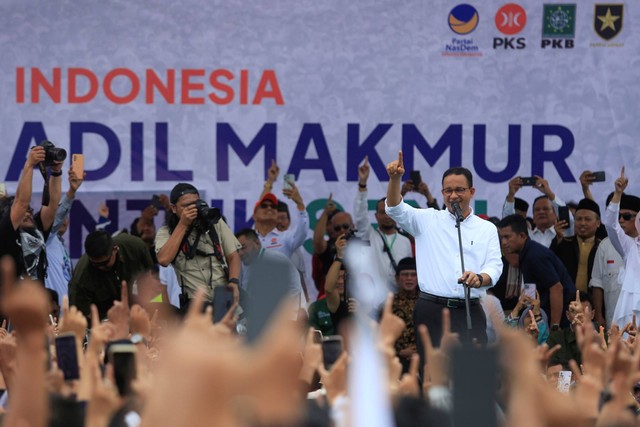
[207, 215]
[52, 153]
[350, 234]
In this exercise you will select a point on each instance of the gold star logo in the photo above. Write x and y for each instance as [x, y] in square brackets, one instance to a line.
[608, 20]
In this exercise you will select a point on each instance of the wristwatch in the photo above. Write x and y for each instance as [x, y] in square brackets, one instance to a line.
[555, 327]
[234, 280]
[480, 278]
[138, 339]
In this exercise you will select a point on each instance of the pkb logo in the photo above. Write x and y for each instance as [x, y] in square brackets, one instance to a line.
[558, 26]
[510, 20]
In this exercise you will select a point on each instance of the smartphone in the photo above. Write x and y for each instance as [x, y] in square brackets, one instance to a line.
[3, 189]
[563, 214]
[529, 290]
[289, 181]
[155, 202]
[123, 359]
[317, 336]
[331, 350]
[529, 181]
[222, 301]
[564, 381]
[598, 176]
[415, 178]
[77, 165]
[67, 356]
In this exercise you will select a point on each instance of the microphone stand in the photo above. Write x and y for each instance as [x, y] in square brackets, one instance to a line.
[467, 290]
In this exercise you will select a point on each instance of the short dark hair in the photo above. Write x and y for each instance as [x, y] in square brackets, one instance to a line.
[248, 233]
[517, 223]
[459, 171]
[98, 244]
[134, 227]
[544, 196]
[283, 207]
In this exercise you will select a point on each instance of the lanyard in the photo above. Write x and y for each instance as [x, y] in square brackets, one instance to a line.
[389, 246]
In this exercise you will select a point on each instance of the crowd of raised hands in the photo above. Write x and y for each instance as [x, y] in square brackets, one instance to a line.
[197, 373]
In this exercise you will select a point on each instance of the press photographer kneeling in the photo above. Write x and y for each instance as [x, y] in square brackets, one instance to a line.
[202, 249]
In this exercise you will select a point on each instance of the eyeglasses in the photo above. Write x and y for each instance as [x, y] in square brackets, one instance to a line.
[459, 191]
[30, 210]
[342, 227]
[104, 263]
[408, 274]
[626, 216]
[267, 206]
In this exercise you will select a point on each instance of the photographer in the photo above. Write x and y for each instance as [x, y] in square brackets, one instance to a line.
[202, 249]
[23, 235]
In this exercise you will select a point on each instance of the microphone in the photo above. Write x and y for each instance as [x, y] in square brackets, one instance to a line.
[455, 206]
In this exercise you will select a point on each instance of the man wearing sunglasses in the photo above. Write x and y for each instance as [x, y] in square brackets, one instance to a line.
[440, 277]
[107, 262]
[265, 215]
[23, 234]
[604, 285]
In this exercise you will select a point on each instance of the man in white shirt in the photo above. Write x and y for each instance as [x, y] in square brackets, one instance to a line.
[545, 210]
[265, 215]
[388, 246]
[440, 276]
[608, 263]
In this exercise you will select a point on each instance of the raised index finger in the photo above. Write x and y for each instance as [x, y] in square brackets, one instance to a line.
[400, 161]
[388, 304]
[577, 296]
[124, 294]
[622, 172]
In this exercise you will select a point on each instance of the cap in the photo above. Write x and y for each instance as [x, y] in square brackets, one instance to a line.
[589, 205]
[408, 263]
[520, 205]
[180, 190]
[267, 197]
[630, 202]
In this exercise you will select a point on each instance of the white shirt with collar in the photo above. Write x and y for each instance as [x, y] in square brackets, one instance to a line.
[289, 240]
[605, 275]
[399, 245]
[545, 238]
[437, 250]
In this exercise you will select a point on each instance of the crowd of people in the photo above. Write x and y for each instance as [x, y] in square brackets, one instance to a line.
[193, 324]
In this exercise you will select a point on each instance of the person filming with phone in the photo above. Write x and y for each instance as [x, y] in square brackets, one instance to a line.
[539, 265]
[201, 247]
[441, 280]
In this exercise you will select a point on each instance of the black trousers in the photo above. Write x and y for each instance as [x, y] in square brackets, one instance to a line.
[429, 313]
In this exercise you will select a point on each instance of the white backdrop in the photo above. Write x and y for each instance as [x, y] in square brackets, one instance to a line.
[336, 76]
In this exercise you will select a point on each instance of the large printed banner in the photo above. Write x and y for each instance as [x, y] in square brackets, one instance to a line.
[209, 92]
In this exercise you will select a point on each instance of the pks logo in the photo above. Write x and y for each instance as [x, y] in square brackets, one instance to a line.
[511, 19]
[607, 20]
[463, 19]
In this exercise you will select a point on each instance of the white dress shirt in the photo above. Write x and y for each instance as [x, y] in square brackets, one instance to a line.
[399, 245]
[606, 267]
[545, 238]
[437, 250]
[629, 247]
[289, 240]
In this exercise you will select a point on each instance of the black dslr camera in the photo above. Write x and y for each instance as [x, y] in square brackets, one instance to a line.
[52, 153]
[207, 215]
